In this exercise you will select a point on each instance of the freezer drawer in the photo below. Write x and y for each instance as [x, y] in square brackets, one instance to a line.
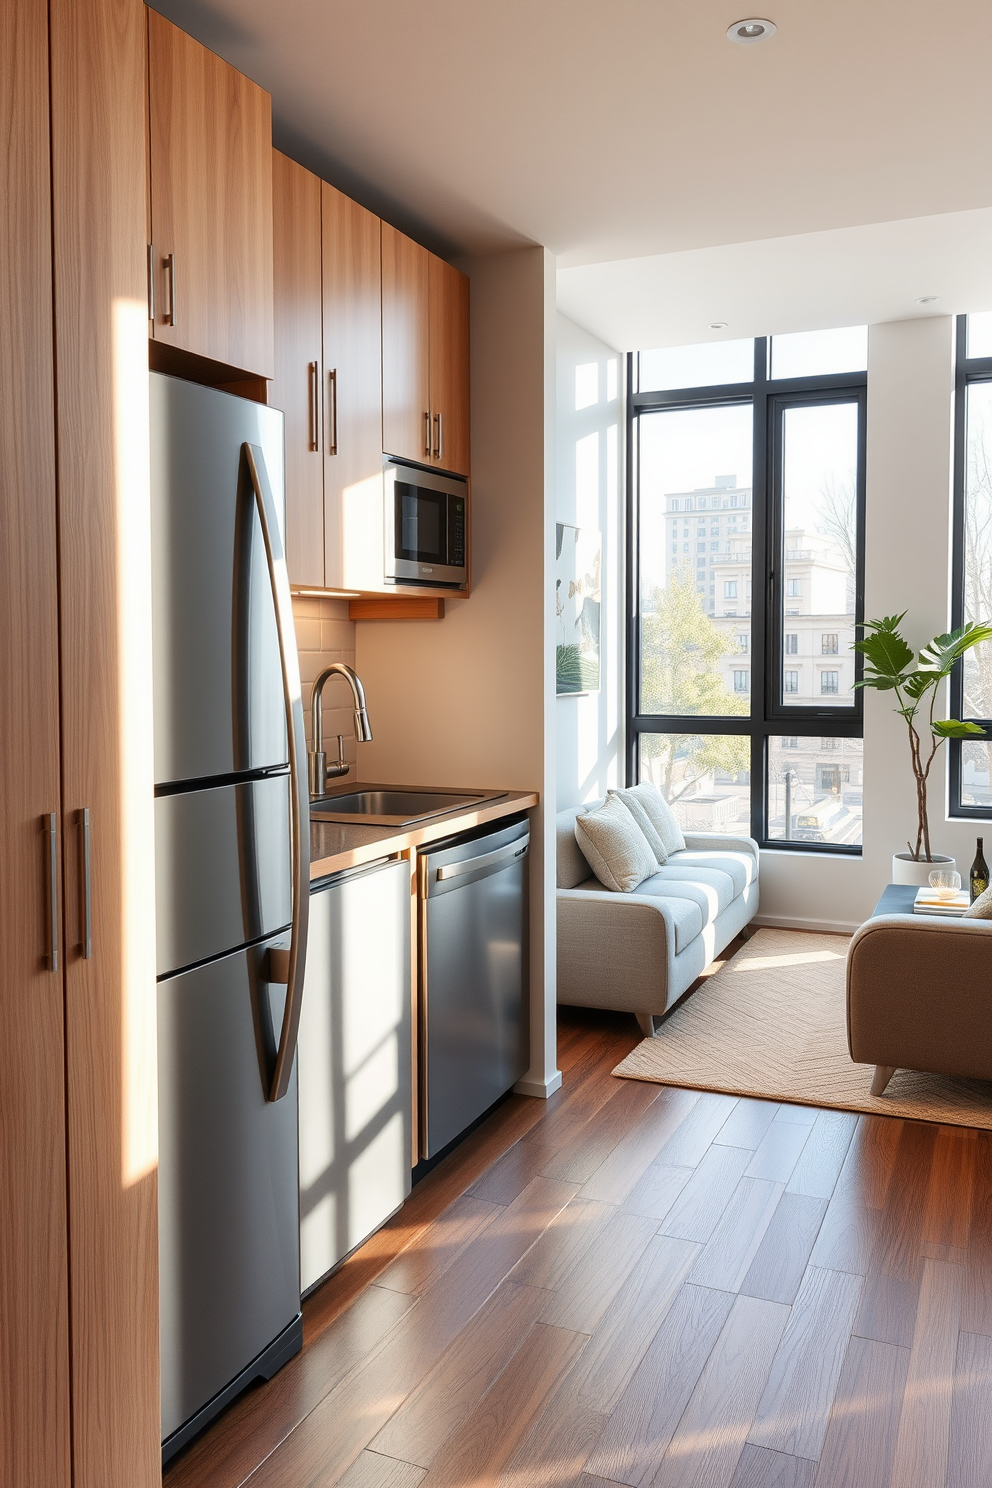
[354, 1059]
[229, 1278]
[473, 1035]
[219, 706]
[222, 869]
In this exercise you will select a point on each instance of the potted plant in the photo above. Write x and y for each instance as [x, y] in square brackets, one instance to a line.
[889, 667]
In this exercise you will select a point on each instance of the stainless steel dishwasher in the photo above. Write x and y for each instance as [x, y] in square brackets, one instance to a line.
[473, 977]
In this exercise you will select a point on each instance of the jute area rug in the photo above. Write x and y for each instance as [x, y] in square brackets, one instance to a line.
[771, 1022]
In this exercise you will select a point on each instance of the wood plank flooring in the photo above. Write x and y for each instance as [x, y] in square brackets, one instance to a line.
[630, 1284]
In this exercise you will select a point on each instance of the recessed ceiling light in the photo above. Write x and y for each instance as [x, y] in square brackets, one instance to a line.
[752, 30]
[717, 325]
[927, 299]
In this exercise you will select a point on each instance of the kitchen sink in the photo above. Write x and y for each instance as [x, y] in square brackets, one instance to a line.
[395, 808]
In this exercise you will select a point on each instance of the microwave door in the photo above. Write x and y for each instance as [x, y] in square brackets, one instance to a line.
[421, 524]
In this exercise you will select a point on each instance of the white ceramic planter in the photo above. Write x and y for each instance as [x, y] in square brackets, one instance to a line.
[906, 871]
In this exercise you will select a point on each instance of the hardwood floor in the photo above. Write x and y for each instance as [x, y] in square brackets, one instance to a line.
[632, 1284]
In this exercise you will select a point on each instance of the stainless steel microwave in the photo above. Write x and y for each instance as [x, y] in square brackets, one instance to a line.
[426, 527]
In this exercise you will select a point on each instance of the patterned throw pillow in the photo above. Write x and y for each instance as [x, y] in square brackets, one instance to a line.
[982, 907]
[614, 846]
[646, 800]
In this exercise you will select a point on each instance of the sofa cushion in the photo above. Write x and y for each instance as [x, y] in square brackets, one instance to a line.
[709, 887]
[687, 916]
[572, 868]
[614, 846]
[740, 866]
[646, 800]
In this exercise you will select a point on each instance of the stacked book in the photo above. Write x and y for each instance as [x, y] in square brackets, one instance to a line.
[929, 902]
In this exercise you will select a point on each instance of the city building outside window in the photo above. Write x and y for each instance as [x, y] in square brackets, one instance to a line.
[730, 589]
[744, 642]
[791, 644]
[790, 682]
[829, 682]
[742, 681]
[828, 644]
[794, 587]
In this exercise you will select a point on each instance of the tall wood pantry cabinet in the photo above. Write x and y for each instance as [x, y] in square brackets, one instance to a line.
[79, 1381]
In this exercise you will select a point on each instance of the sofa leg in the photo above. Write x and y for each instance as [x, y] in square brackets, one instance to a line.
[645, 1022]
[746, 933]
[883, 1074]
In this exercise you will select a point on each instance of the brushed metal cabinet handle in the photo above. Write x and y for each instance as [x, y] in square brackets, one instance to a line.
[52, 830]
[427, 433]
[438, 436]
[313, 372]
[295, 964]
[170, 268]
[332, 394]
[87, 895]
[151, 282]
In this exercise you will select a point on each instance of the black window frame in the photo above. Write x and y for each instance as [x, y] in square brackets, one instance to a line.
[770, 717]
[966, 370]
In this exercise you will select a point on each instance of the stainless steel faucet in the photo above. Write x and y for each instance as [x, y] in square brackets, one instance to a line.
[320, 770]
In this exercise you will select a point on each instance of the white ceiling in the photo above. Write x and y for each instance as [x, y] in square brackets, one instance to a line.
[612, 130]
[850, 276]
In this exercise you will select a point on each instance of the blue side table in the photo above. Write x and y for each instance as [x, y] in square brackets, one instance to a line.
[896, 899]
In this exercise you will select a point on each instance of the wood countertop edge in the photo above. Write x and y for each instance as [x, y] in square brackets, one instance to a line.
[403, 839]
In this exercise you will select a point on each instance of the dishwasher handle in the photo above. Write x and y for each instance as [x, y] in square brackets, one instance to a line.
[486, 863]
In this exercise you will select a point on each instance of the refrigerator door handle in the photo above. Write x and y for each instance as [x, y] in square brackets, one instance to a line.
[293, 971]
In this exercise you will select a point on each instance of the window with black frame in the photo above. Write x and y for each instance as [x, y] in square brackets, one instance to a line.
[971, 684]
[745, 565]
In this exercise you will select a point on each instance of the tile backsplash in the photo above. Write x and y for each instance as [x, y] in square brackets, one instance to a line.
[325, 634]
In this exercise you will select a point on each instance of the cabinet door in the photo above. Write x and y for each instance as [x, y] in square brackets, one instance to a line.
[354, 1062]
[101, 352]
[211, 195]
[405, 347]
[352, 294]
[34, 1378]
[449, 367]
[296, 387]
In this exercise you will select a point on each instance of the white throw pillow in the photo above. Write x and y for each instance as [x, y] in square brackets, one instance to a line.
[614, 846]
[982, 907]
[658, 812]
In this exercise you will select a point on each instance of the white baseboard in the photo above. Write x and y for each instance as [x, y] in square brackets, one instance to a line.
[539, 1088]
[789, 922]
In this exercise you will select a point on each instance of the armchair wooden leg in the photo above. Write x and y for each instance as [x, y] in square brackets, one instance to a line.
[883, 1074]
[645, 1022]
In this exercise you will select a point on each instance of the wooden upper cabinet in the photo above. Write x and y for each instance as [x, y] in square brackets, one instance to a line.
[353, 411]
[406, 392]
[425, 396]
[296, 387]
[211, 204]
[448, 296]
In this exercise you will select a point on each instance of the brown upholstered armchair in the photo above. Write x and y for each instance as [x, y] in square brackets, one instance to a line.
[919, 996]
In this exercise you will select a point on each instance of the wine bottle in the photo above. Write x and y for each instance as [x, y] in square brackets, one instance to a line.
[979, 876]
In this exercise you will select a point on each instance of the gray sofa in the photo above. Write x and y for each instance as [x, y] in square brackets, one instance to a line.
[639, 952]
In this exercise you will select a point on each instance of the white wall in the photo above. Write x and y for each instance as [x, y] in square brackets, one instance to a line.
[468, 701]
[907, 567]
[588, 728]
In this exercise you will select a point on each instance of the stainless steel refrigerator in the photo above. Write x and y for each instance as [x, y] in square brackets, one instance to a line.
[232, 864]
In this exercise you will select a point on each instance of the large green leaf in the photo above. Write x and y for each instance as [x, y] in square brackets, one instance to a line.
[951, 728]
[944, 650]
[886, 653]
[919, 683]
